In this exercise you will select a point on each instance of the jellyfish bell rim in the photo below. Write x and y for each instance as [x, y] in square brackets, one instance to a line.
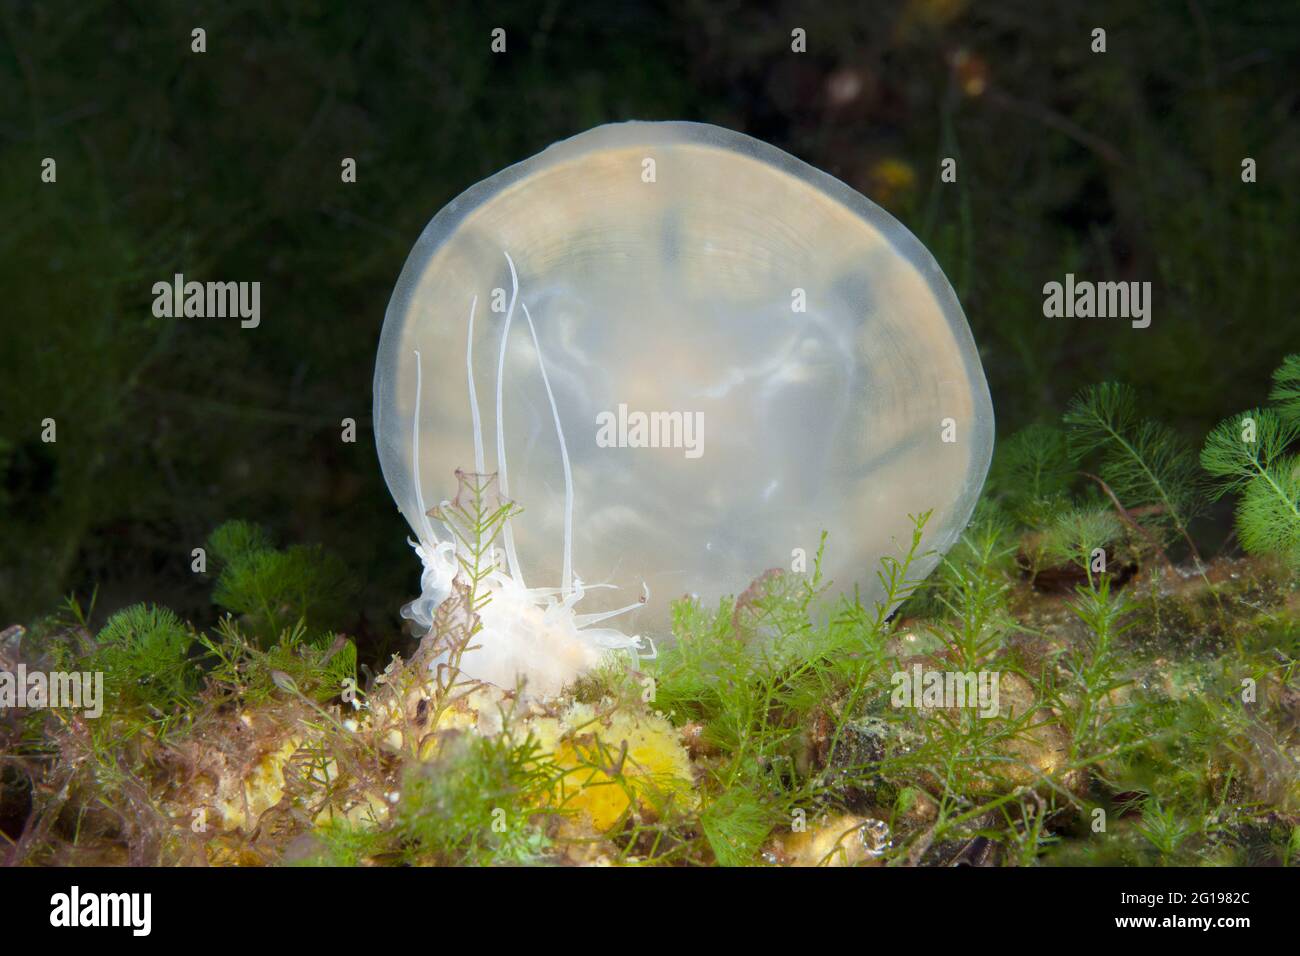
[632, 134]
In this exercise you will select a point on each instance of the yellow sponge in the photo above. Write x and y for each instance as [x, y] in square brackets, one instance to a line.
[609, 759]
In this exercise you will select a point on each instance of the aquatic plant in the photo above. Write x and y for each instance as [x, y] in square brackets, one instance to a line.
[793, 753]
[144, 653]
[275, 588]
[1142, 462]
[1032, 473]
[1285, 393]
[1250, 454]
[455, 809]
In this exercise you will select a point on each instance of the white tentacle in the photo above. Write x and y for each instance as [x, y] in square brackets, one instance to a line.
[566, 576]
[529, 633]
[502, 475]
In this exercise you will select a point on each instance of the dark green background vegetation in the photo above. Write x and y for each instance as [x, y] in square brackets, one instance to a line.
[226, 166]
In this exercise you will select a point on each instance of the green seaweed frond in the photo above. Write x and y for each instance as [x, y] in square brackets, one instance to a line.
[1032, 472]
[972, 587]
[736, 824]
[319, 667]
[752, 672]
[1247, 454]
[481, 803]
[1268, 514]
[1076, 534]
[274, 589]
[1286, 389]
[236, 539]
[1246, 447]
[1165, 829]
[1095, 666]
[1142, 461]
[144, 653]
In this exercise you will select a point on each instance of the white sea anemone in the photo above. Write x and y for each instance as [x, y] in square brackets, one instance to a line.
[529, 635]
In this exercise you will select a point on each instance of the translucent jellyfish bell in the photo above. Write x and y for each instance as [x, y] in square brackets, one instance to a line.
[725, 353]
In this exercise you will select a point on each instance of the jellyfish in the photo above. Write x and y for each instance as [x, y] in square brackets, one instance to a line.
[724, 353]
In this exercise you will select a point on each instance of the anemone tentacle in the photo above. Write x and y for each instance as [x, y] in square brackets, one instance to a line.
[502, 475]
[533, 633]
[566, 577]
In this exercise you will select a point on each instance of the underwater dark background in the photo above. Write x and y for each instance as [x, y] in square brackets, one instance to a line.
[226, 166]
